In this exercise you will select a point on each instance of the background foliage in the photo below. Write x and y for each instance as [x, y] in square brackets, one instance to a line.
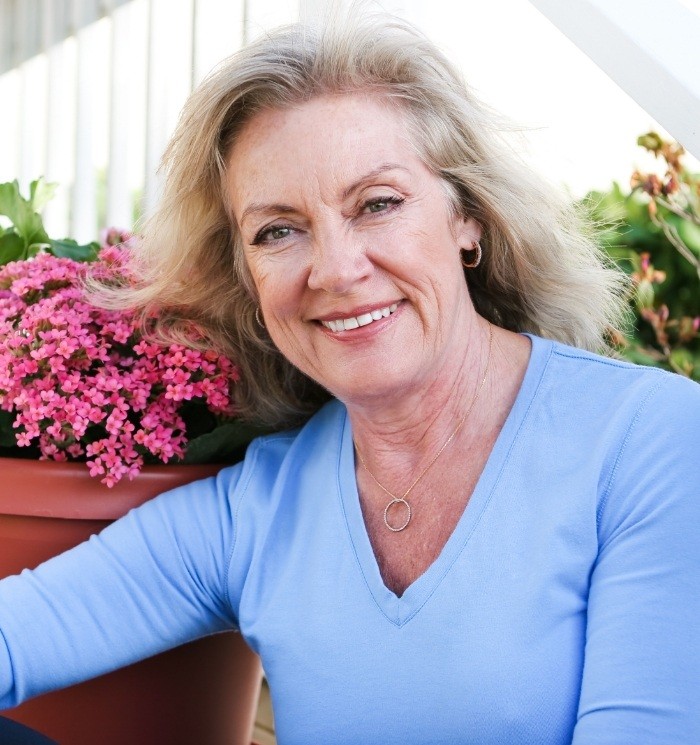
[652, 231]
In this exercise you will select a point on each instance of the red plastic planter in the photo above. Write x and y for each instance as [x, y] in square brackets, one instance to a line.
[204, 693]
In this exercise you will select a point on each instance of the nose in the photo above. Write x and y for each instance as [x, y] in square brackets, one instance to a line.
[339, 263]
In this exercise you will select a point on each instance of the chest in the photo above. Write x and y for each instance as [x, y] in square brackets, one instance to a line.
[437, 505]
[493, 631]
[488, 640]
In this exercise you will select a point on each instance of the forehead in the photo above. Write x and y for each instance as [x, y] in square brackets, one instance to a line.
[326, 142]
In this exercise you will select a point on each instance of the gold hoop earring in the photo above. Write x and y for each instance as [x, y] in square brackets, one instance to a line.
[476, 246]
[261, 323]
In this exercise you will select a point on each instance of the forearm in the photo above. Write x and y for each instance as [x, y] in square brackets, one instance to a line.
[150, 582]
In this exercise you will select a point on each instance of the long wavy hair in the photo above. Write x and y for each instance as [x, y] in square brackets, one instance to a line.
[541, 271]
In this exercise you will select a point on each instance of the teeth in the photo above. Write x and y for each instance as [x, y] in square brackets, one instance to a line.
[346, 324]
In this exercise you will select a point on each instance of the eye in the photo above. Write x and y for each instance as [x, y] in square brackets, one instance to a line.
[381, 204]
[271, 234]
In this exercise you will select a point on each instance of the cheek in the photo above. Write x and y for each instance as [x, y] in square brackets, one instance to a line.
[268, 280]
[278, 286]
[255, 268]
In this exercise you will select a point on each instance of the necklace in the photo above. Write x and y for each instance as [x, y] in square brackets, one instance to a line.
[402, 499]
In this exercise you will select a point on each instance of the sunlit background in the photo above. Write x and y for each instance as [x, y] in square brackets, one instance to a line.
[576, 125]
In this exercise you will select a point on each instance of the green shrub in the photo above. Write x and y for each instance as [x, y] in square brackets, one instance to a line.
[653, 232]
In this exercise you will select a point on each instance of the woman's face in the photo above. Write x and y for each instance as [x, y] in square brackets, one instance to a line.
[352, 246]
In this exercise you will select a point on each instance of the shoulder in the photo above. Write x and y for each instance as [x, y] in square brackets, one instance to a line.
[216, 500]
[610, 421]
[645, 422]
[275, 461]
[281, 497]
[572, 365]
[611, 391]
[656, 465]
[270, 452]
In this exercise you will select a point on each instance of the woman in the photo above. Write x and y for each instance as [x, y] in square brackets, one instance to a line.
[487, 535]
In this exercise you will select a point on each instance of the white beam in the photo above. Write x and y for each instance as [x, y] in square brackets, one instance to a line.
[217, 33]
[121, 103]
[61, 87]
[169, 77]
[84, 198]
[650, 49]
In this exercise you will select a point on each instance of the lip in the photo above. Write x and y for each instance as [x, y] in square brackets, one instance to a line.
[358, 311]
[361, 333]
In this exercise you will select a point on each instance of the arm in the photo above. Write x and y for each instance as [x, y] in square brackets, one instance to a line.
[149, 582]
[641, 678]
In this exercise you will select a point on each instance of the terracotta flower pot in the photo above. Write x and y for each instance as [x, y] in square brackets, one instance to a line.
[203, 693]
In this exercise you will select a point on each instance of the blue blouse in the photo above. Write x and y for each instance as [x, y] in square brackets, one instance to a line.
[565, 606]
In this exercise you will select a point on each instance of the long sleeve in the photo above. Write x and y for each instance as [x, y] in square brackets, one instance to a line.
[149, 582]
[641, 678]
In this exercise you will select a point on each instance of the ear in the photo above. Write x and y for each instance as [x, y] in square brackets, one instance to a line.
[467, 231]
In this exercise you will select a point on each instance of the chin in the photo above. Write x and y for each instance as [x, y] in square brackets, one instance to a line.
[363, 387]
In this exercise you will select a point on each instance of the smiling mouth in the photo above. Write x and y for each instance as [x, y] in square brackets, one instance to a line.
[354, 322]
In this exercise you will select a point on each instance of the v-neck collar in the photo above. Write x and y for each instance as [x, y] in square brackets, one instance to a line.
[400, 610]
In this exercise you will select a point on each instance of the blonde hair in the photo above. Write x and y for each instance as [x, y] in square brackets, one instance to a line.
[541, 272]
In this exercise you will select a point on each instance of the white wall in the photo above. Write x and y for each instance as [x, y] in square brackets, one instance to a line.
[581, 127]
[124, 78]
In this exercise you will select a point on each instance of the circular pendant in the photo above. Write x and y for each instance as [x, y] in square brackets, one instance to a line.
[397, 500]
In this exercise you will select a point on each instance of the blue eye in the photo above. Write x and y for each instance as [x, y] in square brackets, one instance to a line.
[278, 233]
[377, 206]
[272, 234]
[383, 204]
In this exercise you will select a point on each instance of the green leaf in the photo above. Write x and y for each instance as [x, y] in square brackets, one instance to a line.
[7, 431]
[223, 445]
[26, 221]
[682, 361]
[36, 248]
[645, 294]
[641, 357]
[40, 193]
[650, 141]
[12, 204]
[689, 233]
[11, 247]
[70, 249]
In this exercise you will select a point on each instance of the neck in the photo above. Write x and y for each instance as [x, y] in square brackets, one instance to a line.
[398, 436]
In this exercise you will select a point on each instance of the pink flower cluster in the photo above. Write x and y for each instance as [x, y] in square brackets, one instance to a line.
[82, 382]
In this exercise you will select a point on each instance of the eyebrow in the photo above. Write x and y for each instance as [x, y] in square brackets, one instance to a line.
[255, 207]
[370, 176]
[263, 207]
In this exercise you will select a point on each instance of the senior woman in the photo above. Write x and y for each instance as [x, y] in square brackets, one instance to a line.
[481, 532]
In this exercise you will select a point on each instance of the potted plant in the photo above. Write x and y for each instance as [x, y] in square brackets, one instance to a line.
[88, 407]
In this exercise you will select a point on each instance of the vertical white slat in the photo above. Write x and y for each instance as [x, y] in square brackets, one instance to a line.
[100, 97]
[84, 201]
[169, 79]
[18, 48]
[32, 99]
[127, 111]
[217, 33]
[60, 116]
[6, 31]
[263, 15]
[10, 87]
[84, 194]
